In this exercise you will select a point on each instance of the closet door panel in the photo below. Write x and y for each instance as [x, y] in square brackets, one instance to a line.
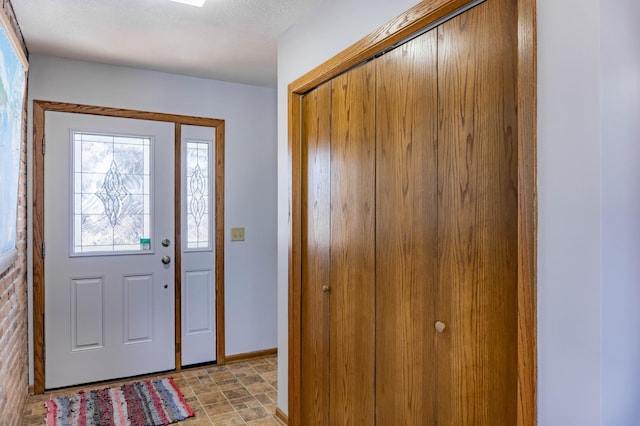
[316, 145]
[352, 247]
[406, 233]
[477, 177]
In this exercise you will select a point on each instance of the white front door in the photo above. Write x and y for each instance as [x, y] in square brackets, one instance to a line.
[109, 249]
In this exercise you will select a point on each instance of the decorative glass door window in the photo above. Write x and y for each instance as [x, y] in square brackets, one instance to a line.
[111, 193]
[198, 202]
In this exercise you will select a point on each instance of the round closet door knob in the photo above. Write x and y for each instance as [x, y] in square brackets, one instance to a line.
[440, 326]
[325, 288]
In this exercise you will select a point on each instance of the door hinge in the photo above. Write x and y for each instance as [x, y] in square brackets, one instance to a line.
[43, 250]
[44, 145]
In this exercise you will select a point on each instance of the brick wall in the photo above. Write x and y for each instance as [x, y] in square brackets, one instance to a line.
[13, 297]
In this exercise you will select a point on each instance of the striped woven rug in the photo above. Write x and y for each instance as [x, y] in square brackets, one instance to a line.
[148, 403]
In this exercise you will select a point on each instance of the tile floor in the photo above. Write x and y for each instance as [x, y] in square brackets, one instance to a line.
[238, 393]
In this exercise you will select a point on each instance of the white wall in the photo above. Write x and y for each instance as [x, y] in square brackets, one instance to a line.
[569, 188]
[620, 94]
[250, 171]
[330, 28]
[569, 266]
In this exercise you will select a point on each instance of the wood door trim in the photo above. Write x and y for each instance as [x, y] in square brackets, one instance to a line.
[39, 109]
[219, 232]
[527, 213]
[177, 227]
[412, 21]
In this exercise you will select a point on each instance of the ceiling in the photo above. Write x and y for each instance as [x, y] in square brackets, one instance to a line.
[229, 40]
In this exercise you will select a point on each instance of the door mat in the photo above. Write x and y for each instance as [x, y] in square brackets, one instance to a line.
[147, 403]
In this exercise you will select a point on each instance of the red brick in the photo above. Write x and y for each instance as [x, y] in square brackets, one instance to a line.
[13, 301]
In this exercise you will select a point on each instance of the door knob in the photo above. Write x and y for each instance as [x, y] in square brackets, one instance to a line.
[166, 260]
[325, 288]
[440, 326]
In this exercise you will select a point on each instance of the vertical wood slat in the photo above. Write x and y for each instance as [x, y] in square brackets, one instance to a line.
[316, 158]
[406, 233]
[477, 178]
[352, 247]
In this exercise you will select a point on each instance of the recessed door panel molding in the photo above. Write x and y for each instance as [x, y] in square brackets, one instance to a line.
[197, 287]
[139, 308]
[87, 313]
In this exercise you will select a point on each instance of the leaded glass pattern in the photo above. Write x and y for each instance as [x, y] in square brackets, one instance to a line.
[111, 192]
[198, 196]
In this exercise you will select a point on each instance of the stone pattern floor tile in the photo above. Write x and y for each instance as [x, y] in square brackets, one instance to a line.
[238, 393]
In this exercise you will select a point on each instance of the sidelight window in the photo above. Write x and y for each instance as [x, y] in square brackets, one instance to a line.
[198, 202]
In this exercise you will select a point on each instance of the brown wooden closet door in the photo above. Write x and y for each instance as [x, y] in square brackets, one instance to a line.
[316, 145]
[477, 178]
[406, 233]
[352, 247]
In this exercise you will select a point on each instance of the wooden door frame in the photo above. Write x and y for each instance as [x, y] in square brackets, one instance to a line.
[420, 17]
[39, 109]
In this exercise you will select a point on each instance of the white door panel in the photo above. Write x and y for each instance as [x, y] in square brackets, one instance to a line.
[87, 313]
[198, 243]
[198, 295]
[138, 308]
[107, 315]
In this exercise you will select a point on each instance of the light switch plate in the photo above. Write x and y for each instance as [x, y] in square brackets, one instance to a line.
[237, 234]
